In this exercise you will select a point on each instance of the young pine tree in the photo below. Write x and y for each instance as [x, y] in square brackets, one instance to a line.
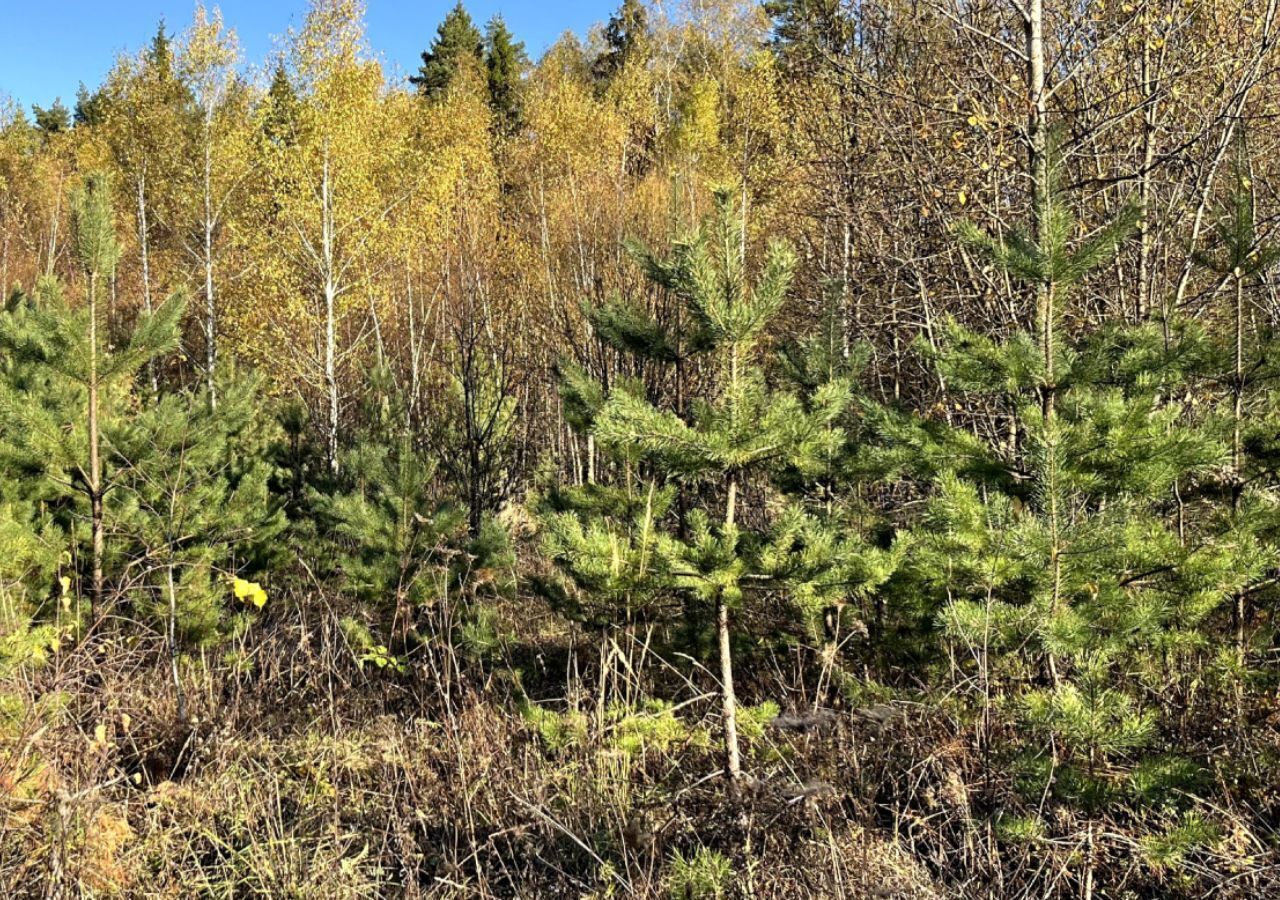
[40, 509]
[97, 252]
[830, 546]
[402, 543]
[193, 511]
[65, 382]
[34, 519]
[394, 533]
[623, 543]
[31, 554]
[1065, 589]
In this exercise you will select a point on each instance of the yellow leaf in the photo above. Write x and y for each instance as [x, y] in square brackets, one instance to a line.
[249, 591]
[963, 198]
[100, 733]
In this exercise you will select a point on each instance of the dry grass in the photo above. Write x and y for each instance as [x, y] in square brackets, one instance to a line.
[303, 775]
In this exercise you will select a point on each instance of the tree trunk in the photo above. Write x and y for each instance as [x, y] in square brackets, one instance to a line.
[1050, 389]
[1237, 400]
[1038, 163]
[1237, 454]
[52, 259]
[330, 317]
[95, 459]
[331, 376]
[172, 637]
[144, 252]
[729, 706]
[210, 310]
[1142, 303]
[1037, 135]
[4, 256]
[415, 378]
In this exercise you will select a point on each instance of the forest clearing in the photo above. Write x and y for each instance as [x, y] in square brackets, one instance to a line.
[818, 449]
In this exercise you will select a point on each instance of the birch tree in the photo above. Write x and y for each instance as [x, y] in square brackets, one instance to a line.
[209, 55]
[327, 188]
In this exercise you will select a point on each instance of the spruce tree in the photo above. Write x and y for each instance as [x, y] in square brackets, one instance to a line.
[280, 112]
[160, 54]
[91, 106]
[624, 36]
[458, 42]
[808, 34]
[505, 62]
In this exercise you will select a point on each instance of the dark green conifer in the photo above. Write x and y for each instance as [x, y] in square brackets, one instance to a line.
[401, 542]
[53, 119]
[505, 62]
[280, 113]
[625, 36]
[458, 42]
[91, 106]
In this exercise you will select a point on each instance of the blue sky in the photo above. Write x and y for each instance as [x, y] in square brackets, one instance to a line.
[50, 46]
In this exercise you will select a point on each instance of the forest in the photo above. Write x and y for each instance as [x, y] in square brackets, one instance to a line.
[817, 449]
